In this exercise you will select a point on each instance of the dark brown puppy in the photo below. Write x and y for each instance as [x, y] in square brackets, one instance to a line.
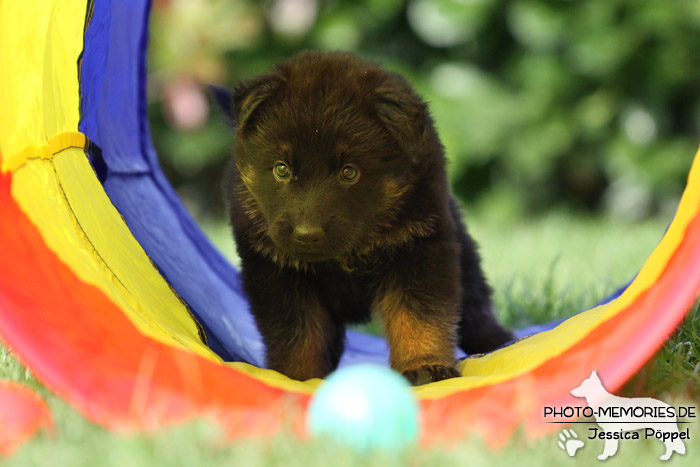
[340, 207]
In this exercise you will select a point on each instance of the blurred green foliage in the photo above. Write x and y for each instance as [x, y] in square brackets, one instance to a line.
[591, 105]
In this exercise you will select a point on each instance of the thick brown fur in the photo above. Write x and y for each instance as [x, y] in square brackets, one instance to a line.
[320, 251]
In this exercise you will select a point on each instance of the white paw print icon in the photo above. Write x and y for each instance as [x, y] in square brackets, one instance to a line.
[569, 442]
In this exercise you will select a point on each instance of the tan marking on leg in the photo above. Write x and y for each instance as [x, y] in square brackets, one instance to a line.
[308, 347]
[414, 342]
[310, 357]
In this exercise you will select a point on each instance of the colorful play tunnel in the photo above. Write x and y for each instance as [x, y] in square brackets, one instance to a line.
[112, 296]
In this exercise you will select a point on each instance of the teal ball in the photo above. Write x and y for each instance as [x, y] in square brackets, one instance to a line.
[367, 407]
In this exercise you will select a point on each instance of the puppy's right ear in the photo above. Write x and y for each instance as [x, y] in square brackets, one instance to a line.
[249, 96]
[223, 97]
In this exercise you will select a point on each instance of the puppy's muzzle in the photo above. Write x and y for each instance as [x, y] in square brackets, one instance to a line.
[308, 234]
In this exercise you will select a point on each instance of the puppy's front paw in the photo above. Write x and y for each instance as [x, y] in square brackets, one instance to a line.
[430, 373]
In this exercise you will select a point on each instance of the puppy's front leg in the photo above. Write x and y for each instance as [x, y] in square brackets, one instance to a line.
[301, 339]
[418, 301]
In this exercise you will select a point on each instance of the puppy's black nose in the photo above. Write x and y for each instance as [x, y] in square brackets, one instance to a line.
[307, 234]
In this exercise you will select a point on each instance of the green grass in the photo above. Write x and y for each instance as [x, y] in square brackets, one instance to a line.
[540, 269]
[552, 267]
[675, 369]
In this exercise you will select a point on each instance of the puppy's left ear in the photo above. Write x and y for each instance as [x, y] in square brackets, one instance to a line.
[403, 114]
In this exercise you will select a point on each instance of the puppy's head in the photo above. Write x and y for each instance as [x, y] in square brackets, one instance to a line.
[327, 146]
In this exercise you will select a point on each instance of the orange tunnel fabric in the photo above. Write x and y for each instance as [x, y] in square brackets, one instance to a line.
[22, 413]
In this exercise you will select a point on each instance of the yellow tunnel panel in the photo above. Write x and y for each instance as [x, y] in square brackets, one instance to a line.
[67, 203]
[40, 42]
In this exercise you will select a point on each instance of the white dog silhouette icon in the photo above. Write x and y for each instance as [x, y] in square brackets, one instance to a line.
[621, 417]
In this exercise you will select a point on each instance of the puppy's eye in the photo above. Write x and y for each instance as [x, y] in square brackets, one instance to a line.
[349, 173]
[281, 170]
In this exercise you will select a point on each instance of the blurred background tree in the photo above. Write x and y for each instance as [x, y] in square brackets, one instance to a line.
[588, 105]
